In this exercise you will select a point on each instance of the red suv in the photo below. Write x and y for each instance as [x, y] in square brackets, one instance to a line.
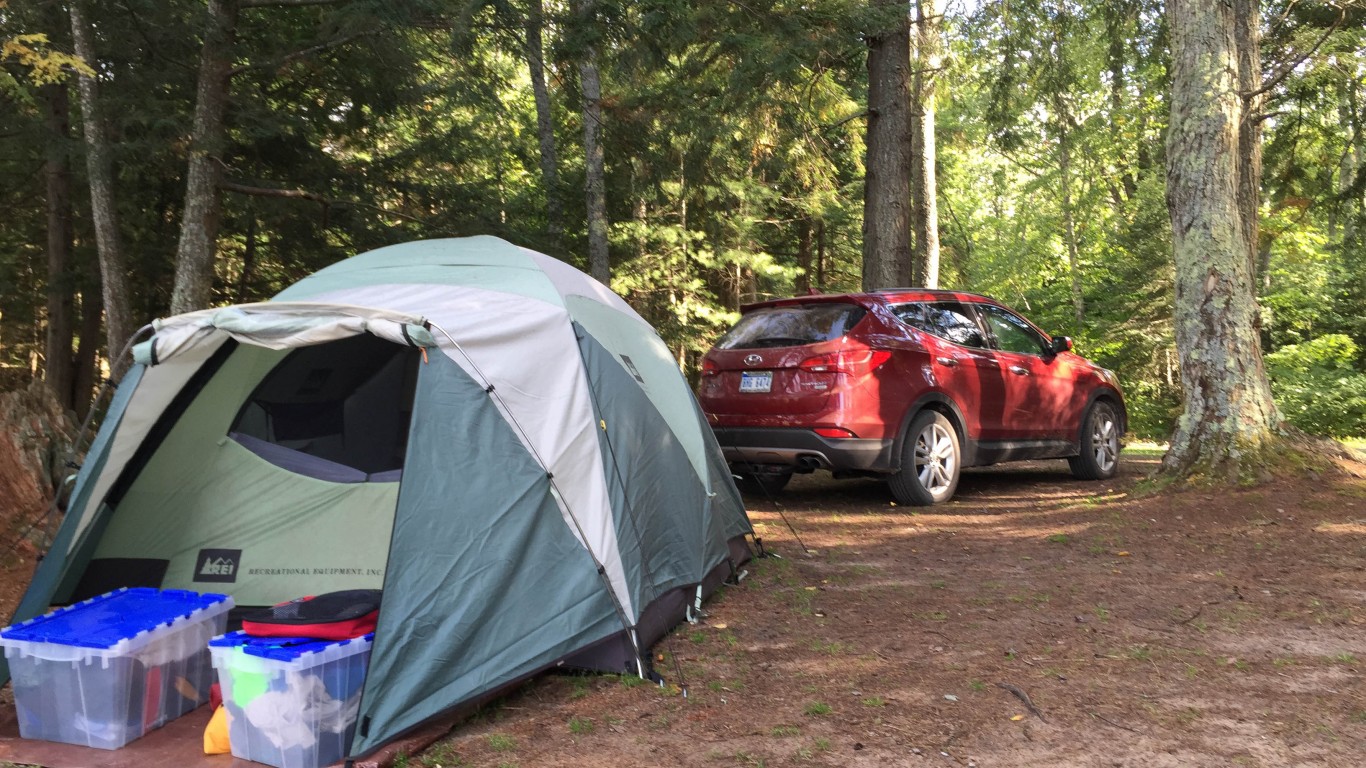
[907, 384]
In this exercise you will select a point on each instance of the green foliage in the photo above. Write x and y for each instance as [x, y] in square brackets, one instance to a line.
[1317, 387]
[733, 135]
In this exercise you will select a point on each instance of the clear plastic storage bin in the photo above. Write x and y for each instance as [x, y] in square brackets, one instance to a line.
[291, 702]
[106, 671]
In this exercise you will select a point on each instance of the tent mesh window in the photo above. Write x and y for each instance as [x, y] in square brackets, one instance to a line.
[338, 411]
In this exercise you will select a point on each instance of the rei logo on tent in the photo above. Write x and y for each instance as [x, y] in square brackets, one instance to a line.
[217, 565]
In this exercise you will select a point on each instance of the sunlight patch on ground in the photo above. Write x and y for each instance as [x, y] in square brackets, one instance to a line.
[1357, 527]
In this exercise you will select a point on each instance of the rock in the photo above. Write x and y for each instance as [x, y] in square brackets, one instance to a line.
[35, 438]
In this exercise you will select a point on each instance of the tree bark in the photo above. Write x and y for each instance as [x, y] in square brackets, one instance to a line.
[887, 163]
[1068, 215]
[1248, 39]
[924, 189]
[1229, 419]
[199, 221]
[545, 125]
[599, 265]
[804, 255]
[87, 371]
[58, 364]
[99, 167]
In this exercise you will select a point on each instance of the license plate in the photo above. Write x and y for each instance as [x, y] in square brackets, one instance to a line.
[756, 381]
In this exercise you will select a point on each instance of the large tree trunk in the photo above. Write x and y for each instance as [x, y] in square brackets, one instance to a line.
[595, 193]
[1229, 418]
[924, 190]
[59, 367]
[99, 166]
[545, 125]
[886, 191]
[194, 263]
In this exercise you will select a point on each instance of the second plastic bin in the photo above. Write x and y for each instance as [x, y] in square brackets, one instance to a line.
[291, 702]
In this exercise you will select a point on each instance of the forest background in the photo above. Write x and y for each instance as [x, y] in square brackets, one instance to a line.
[732, 144]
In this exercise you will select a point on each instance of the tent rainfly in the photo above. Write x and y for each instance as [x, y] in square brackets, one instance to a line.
[487, 434]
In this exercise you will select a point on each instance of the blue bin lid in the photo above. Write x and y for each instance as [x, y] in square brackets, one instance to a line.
[107, 620]
[279, 648]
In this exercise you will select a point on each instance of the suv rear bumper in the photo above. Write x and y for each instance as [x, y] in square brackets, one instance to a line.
[802, 448]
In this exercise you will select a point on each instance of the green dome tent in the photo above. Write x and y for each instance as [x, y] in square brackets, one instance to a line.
[487, 434]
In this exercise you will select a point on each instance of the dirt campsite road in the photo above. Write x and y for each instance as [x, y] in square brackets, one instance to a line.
[1034, 621]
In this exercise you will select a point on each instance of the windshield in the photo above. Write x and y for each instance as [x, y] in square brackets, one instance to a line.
[792, 326]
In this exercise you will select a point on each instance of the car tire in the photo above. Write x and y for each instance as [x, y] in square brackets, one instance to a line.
[931, 461]
[762, 483]
[1099, 458]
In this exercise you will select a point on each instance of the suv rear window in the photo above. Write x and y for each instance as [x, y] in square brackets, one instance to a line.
[792, 326]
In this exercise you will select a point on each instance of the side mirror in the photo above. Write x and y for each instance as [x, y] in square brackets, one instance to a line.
[1060, 344]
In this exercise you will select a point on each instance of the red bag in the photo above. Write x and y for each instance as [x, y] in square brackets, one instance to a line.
[332, 616]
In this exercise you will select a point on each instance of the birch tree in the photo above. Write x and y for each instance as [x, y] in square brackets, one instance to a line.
[924, 188]
[118, 323]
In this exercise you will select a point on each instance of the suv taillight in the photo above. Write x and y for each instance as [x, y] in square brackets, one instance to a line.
[709, 367]
[851, 361]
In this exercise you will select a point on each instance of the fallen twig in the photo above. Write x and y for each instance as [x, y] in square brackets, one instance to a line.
[1106, 720]
[1022, 696]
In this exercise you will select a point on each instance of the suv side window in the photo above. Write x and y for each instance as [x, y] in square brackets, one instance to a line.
[1012, 334]
[949, 320]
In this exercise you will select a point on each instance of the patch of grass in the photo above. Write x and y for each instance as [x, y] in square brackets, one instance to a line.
[1102, 612]
[400, 760]
[1345, 658]
[1192, 671]
[442, 754]
[977, 685]
[874, 701]
[821, 745]
[784, 731]
[579, 688]
[1188, 715]
[580, 726]
[697, 636]
[747, 758]
[938, 584]
[1360, 716]
[831, 648]
[632, 681]
[1283, 662]
[1059, 538]
[501, 742]
[1140, 652]
[817, 708]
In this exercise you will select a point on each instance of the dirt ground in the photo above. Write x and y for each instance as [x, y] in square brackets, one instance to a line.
[1034, 621]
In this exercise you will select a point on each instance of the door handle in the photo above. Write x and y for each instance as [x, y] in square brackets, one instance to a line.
[946, 361]
[1019, 370]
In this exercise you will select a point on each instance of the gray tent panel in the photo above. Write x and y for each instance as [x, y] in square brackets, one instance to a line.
[650, 516]
[726, 504]
[486, 583]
